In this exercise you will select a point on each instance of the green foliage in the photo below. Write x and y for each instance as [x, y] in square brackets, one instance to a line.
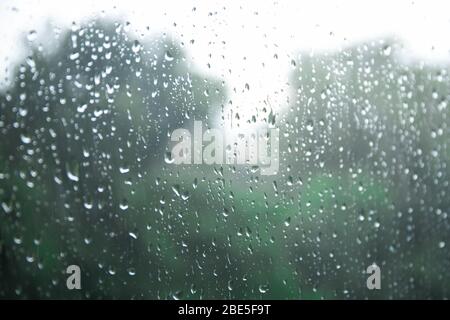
[83, 180]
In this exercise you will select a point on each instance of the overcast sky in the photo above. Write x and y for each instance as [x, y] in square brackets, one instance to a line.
[244, 35]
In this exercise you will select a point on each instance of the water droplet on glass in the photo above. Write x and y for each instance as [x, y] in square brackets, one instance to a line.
[25, 139]
[123, 204]
[168, 56]
[136, 46]
[32, 35]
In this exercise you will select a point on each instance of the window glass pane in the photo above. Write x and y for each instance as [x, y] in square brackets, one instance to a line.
[275, 150]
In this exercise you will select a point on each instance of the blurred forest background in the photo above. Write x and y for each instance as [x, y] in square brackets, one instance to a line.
[85, 179]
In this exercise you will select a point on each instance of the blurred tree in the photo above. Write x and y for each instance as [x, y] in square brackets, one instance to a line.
[363, 126]
[78, 126]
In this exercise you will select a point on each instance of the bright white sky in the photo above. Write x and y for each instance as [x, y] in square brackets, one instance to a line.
[253, 32]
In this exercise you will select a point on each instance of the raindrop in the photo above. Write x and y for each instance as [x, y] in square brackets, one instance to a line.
[176, 189]
[136, 46]
[123, 204]
[74, 56]
[133, 235]
[72, 174]
[25, 139]
[168, 157]
[124, 169]
[82, 108]
[32, 35]
[168, 56]
[263, 288]
[287, 222]
[131, 271]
